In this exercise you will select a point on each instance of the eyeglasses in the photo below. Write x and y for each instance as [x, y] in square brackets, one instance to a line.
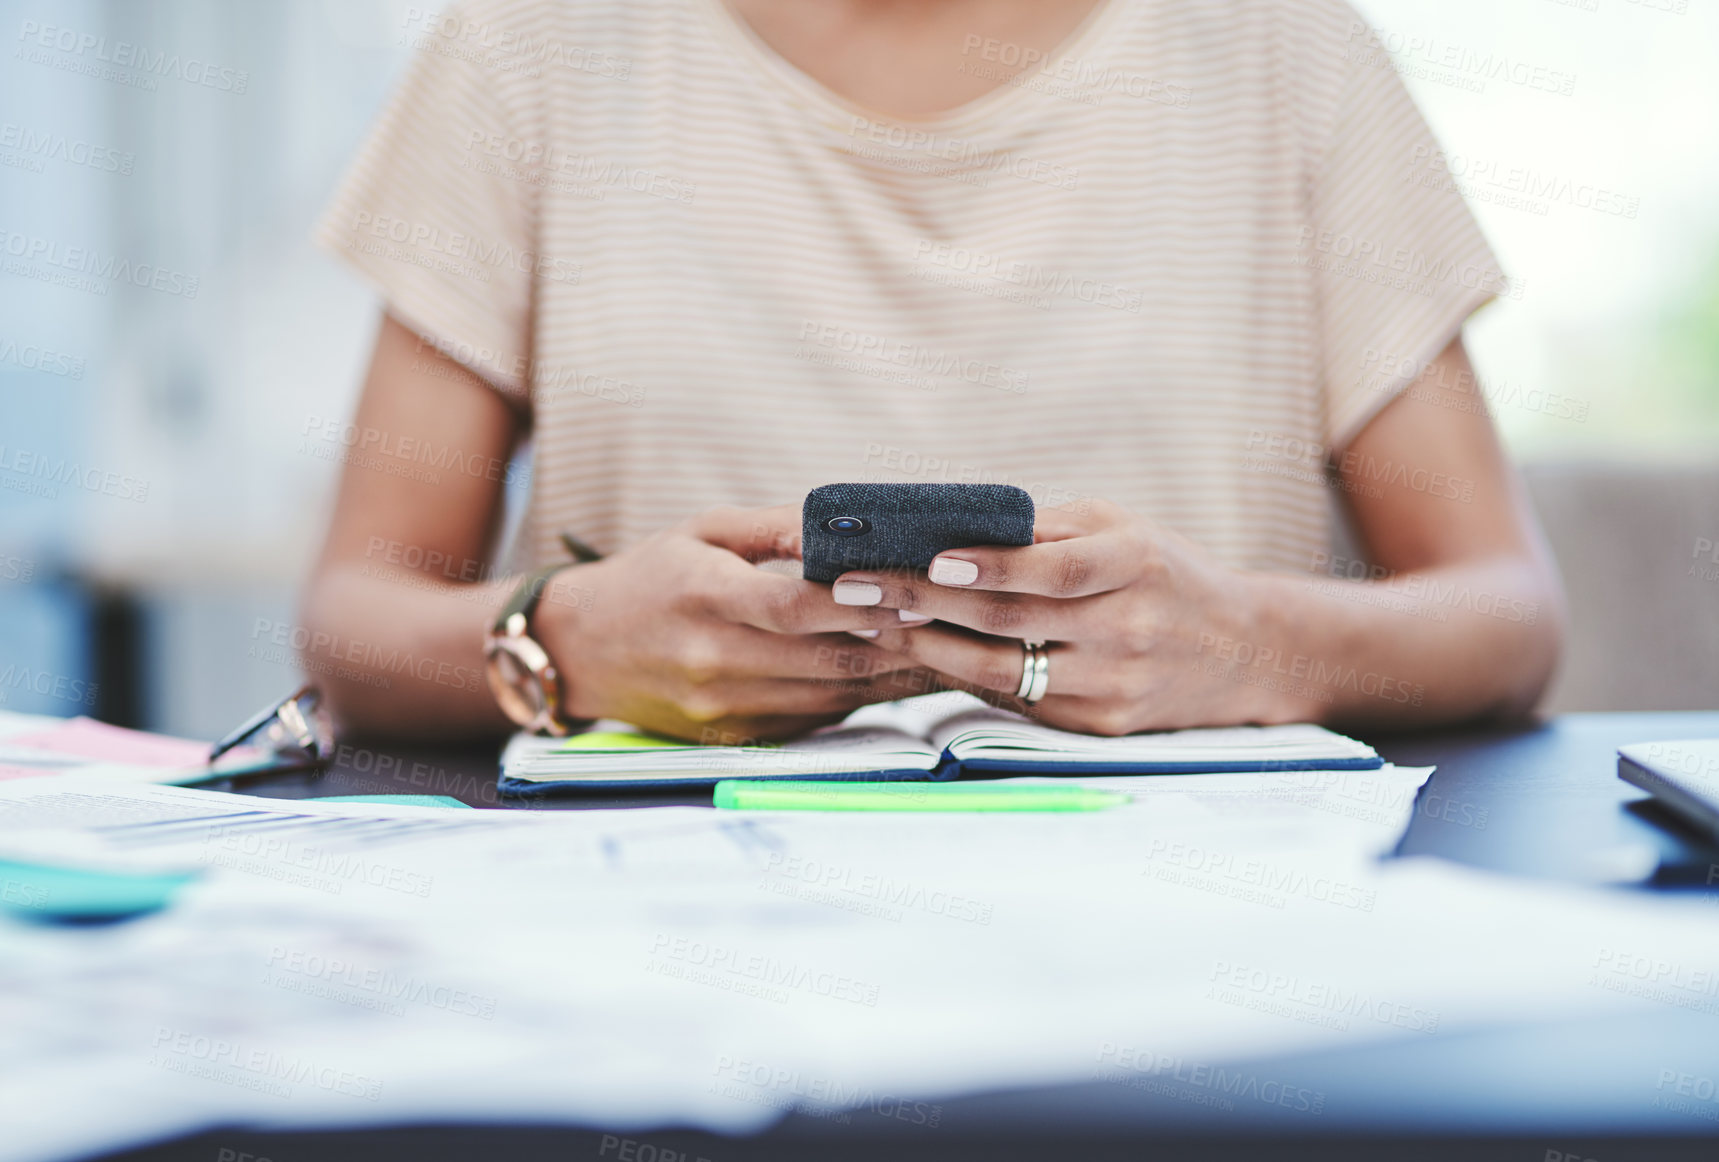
[292, 734]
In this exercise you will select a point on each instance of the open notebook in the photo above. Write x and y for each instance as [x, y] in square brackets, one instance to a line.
[938, 736]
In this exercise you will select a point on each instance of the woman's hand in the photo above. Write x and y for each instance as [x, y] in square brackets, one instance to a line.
[1145, 627]
[682, 634]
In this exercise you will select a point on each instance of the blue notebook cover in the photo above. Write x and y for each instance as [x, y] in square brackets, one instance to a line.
[528, 787]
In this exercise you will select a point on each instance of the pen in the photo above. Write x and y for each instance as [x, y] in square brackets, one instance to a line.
[580, 551]
[797, 795]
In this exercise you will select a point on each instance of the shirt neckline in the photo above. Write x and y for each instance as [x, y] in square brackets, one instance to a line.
[810, 91]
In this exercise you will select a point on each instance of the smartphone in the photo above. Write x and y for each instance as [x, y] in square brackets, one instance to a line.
[902, 526]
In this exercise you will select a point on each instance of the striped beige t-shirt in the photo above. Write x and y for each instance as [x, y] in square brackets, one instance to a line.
[1176, 264]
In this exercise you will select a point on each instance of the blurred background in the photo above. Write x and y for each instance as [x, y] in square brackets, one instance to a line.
[167, 329]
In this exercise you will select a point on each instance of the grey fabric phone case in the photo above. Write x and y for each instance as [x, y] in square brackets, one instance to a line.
[902, 526]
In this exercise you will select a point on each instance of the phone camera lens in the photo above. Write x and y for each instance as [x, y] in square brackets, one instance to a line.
[847, 526]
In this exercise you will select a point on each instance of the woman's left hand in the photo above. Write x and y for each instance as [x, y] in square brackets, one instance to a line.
[1145, 627]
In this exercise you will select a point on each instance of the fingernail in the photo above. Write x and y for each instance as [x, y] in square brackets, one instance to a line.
[865, 633]
[953, 571]
[856, 593]
[908, 617]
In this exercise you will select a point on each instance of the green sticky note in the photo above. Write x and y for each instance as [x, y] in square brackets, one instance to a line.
[622, 740]
[396, 800]
[52, 893]
[809, 795]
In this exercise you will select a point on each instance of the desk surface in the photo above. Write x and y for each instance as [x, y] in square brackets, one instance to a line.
[1540, 801]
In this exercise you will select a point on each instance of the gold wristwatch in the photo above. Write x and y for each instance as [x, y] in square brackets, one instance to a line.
[522, 677]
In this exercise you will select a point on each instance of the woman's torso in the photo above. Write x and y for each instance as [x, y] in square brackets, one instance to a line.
[1085, 283]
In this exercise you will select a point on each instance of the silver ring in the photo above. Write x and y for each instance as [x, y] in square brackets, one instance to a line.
[1035, 672]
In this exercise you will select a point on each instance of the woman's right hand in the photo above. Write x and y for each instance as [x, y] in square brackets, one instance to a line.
[682, 634]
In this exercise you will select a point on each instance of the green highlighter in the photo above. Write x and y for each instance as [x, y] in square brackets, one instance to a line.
[606, 740]
[797, 795]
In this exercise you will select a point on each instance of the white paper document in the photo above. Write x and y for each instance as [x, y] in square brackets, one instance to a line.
[351, 965]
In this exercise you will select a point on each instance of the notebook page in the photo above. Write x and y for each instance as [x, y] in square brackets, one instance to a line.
[999, 734]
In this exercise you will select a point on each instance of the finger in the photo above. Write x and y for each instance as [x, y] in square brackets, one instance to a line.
[733, 731]
[763, 697]
[1081, 518]
[1077, 567]
[754, 534]
[986, 663]
[1004, 614]
[1059, 524]
[1085, 715]
[671, 720]
[721, 706]
[726, 653]
[745, 595]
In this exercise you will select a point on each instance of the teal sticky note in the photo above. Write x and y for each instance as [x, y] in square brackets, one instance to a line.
[52, 894]
[397, 800]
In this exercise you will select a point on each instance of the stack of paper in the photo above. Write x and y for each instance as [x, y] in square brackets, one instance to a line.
[32, 745]
[356, 965]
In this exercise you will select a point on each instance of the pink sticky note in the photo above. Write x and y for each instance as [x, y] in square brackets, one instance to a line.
[102, 743]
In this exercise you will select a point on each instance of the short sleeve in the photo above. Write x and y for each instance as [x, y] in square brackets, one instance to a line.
[436, 220]
[1397, 259]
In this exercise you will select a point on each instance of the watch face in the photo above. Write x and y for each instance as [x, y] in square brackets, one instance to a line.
[517, 671]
